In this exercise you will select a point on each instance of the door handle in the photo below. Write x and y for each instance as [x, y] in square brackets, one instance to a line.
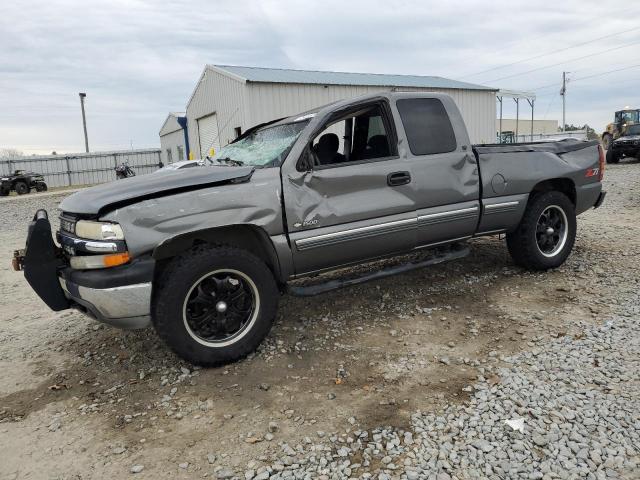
[398, 178]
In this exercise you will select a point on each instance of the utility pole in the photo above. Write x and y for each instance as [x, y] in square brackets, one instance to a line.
[563, 92]
[84, 122]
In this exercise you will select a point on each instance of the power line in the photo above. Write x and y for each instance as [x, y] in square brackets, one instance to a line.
[588, 76]
[553, 98]
[598, 18]
[566, 61]
[549, 53]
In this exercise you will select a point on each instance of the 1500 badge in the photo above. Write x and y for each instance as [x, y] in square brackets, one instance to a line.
[307, 223]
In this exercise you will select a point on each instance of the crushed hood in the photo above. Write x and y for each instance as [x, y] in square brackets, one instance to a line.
[92, 201]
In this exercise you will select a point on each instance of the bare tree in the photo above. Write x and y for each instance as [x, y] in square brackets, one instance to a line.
[10, 153]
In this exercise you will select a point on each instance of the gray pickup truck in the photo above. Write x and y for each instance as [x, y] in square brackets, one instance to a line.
[203, 254]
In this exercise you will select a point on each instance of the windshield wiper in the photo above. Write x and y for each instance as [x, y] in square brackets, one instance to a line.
[230, 161]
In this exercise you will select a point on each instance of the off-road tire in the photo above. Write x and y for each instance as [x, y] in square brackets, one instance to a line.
[21, 188]
[4, 191]
[612, 157]
[172, 289]
[41, 187]
[523, 244]
[607, 140]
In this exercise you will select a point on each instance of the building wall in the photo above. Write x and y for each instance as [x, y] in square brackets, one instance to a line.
[272, 100]
[524, 126]
[171, 141]
[244, 104]
[219, 94]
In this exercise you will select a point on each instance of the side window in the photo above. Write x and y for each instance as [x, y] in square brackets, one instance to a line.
[427, 126]
[181, 153]
[360, 136]
[169, 156]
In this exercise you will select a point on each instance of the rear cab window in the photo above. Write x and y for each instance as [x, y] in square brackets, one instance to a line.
[427, 126]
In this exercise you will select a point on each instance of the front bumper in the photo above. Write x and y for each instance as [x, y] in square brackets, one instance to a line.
[628, 150]
[128, 306]
[119, 296]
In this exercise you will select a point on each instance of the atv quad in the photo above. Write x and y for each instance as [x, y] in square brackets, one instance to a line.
[22, 182]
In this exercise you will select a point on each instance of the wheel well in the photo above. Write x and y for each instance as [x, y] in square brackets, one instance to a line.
[563, 185]
[246, 237]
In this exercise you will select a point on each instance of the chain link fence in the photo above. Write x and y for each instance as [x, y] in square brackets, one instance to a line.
[83, 168]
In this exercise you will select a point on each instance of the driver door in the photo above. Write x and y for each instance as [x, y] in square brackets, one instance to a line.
[354, 204]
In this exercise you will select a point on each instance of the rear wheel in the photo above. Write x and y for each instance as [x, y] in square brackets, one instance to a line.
[21, 188]
[545, 237]
[4, 191]
[214, 305]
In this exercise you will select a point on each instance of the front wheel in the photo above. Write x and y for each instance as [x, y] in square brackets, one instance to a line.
[612, 157]
[546, 234]
[606, 141]
[41, 187]
[21, 188]
[214, 305]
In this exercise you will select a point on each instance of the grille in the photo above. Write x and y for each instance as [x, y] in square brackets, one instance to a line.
[68, 225]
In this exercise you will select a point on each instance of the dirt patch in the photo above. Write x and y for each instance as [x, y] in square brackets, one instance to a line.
[350, 360]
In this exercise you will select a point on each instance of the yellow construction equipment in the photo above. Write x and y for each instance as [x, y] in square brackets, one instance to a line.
[617, 128]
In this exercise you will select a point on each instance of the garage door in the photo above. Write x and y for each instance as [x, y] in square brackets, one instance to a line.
[208, 133]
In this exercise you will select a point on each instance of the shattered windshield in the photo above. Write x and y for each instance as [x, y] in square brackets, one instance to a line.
[265, 147]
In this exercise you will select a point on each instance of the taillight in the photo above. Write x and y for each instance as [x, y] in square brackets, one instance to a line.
[601, 162]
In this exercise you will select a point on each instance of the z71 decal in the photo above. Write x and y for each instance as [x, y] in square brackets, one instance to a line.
[592, 172]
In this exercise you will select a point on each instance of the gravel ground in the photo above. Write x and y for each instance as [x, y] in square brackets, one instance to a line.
[410, 377]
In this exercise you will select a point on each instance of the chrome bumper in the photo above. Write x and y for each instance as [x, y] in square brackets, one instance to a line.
[128, 306]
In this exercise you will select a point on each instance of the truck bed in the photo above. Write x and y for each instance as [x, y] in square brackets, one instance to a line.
[557, 147]
[516, 169]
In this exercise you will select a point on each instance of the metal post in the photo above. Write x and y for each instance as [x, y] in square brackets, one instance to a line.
[68, 170]
[517, 100]
[84, 122]
[500, 132]
[563, 92]
[531, 102]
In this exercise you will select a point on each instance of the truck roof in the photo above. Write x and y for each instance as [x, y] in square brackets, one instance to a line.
[308, 114]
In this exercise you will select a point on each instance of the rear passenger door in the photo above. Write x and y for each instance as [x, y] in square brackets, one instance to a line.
[444, 169]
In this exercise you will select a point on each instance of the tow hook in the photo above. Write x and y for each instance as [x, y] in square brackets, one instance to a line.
[17, 262]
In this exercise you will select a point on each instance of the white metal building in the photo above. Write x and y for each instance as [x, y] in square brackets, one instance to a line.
[173, 139]
[229, 99]
[523, 125]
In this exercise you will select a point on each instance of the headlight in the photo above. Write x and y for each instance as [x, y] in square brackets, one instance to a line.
[99, 230]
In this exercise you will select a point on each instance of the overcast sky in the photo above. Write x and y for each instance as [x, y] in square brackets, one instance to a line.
[139, 60]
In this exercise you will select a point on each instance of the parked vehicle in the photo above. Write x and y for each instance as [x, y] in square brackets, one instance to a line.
[204, 254]
[181, 165]
[623, 119]
[22, 182]
[124, 171]
[626, 146]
